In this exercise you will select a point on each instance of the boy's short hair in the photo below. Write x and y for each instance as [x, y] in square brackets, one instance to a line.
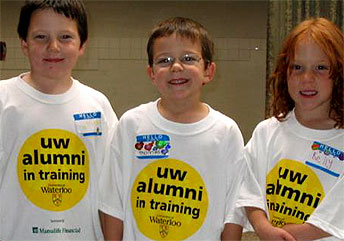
[331, 41]
[186, 28]
[73, 9]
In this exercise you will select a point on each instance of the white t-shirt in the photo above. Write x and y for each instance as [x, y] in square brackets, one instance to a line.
[296, 174]
[173, 181]
[51, 153]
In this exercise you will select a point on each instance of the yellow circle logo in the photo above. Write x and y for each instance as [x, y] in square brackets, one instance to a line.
[53, 169]
[169, 200]
[293, 191]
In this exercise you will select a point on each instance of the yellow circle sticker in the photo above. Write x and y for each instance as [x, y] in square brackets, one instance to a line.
[293, 191]
[53, 169]
[169, 200]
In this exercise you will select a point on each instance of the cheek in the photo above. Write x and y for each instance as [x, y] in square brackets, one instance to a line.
[329, 85]
[292, 86]
[293, 79]
[157, 77]
[160, 73]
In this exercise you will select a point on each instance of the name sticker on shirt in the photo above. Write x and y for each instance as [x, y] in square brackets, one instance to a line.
[88, 124]
[152, 146]
[326, 158]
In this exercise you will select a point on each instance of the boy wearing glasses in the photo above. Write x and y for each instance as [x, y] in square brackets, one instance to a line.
[174, 164]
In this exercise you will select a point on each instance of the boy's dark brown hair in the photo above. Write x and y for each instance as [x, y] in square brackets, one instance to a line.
[331, 40]
[186, 28]
[73, 9]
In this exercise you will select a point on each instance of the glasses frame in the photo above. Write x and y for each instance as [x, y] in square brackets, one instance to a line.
[188, 59]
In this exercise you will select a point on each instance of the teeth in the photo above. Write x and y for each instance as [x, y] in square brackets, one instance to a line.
[178, 81]
[308, 92]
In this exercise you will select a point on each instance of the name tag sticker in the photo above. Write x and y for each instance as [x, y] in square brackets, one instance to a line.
[326, 159]
[88, 124]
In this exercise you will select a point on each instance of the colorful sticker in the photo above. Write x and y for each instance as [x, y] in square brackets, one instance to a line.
[152, 146]
[293, 191]
[328, 150]
[53, 169]
[169, 200]
[326, 159]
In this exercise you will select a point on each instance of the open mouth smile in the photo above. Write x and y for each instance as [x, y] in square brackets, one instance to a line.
[178, 81]
[308, 92]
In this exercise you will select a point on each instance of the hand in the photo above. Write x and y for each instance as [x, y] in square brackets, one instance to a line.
[305, 231]
[269, 232]
[264, 228]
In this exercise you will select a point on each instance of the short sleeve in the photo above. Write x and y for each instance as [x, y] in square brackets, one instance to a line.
[251, 193]
[111, 182]
[329, 215]
[235, 214]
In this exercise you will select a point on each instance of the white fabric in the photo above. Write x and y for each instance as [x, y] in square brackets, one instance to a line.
[309, 161]
[212, 147]
[25, 113]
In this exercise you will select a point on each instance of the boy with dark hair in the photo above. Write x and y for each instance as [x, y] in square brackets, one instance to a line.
[53, 131]
[174, 164]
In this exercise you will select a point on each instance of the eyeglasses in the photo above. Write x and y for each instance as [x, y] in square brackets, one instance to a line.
[186, 59]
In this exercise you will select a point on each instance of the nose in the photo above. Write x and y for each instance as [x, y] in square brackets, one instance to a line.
[53, 45]
[308, 75]
[177, 66]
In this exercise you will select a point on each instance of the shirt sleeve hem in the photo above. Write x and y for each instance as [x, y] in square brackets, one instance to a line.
[251, 203]
[111, 211]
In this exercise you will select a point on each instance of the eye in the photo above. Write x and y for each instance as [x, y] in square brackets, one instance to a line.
[189, 59]
[40, 36]
[322, 67]
[164, 60]
[65, 37]
[295, 67]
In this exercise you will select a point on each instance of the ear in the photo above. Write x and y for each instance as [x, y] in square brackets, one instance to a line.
[151, 73]
[83, 48]
[24, 46]
[209, 72]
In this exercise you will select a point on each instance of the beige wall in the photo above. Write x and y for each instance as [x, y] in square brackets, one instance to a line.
[115, 62]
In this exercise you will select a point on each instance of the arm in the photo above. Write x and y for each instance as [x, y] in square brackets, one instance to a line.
[231, 232]
[305, 231]
[112, 227]
[264, 228]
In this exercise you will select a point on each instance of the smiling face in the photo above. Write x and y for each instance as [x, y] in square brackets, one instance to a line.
[52, 46]
[309, 82]
[181, 79]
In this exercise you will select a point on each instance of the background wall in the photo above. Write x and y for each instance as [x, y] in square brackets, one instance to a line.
[115, 61]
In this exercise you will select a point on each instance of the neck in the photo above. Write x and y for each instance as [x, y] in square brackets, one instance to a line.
[183, 112]
[48, 86]
[315, 121]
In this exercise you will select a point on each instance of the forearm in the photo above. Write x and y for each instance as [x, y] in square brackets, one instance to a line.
[231, 232]
[257, 218]
[264, 228]
[101, 218]
[112, 227]
[305, 231]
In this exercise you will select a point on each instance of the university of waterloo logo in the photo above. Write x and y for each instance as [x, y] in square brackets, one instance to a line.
[163, 230]
[57, 199]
